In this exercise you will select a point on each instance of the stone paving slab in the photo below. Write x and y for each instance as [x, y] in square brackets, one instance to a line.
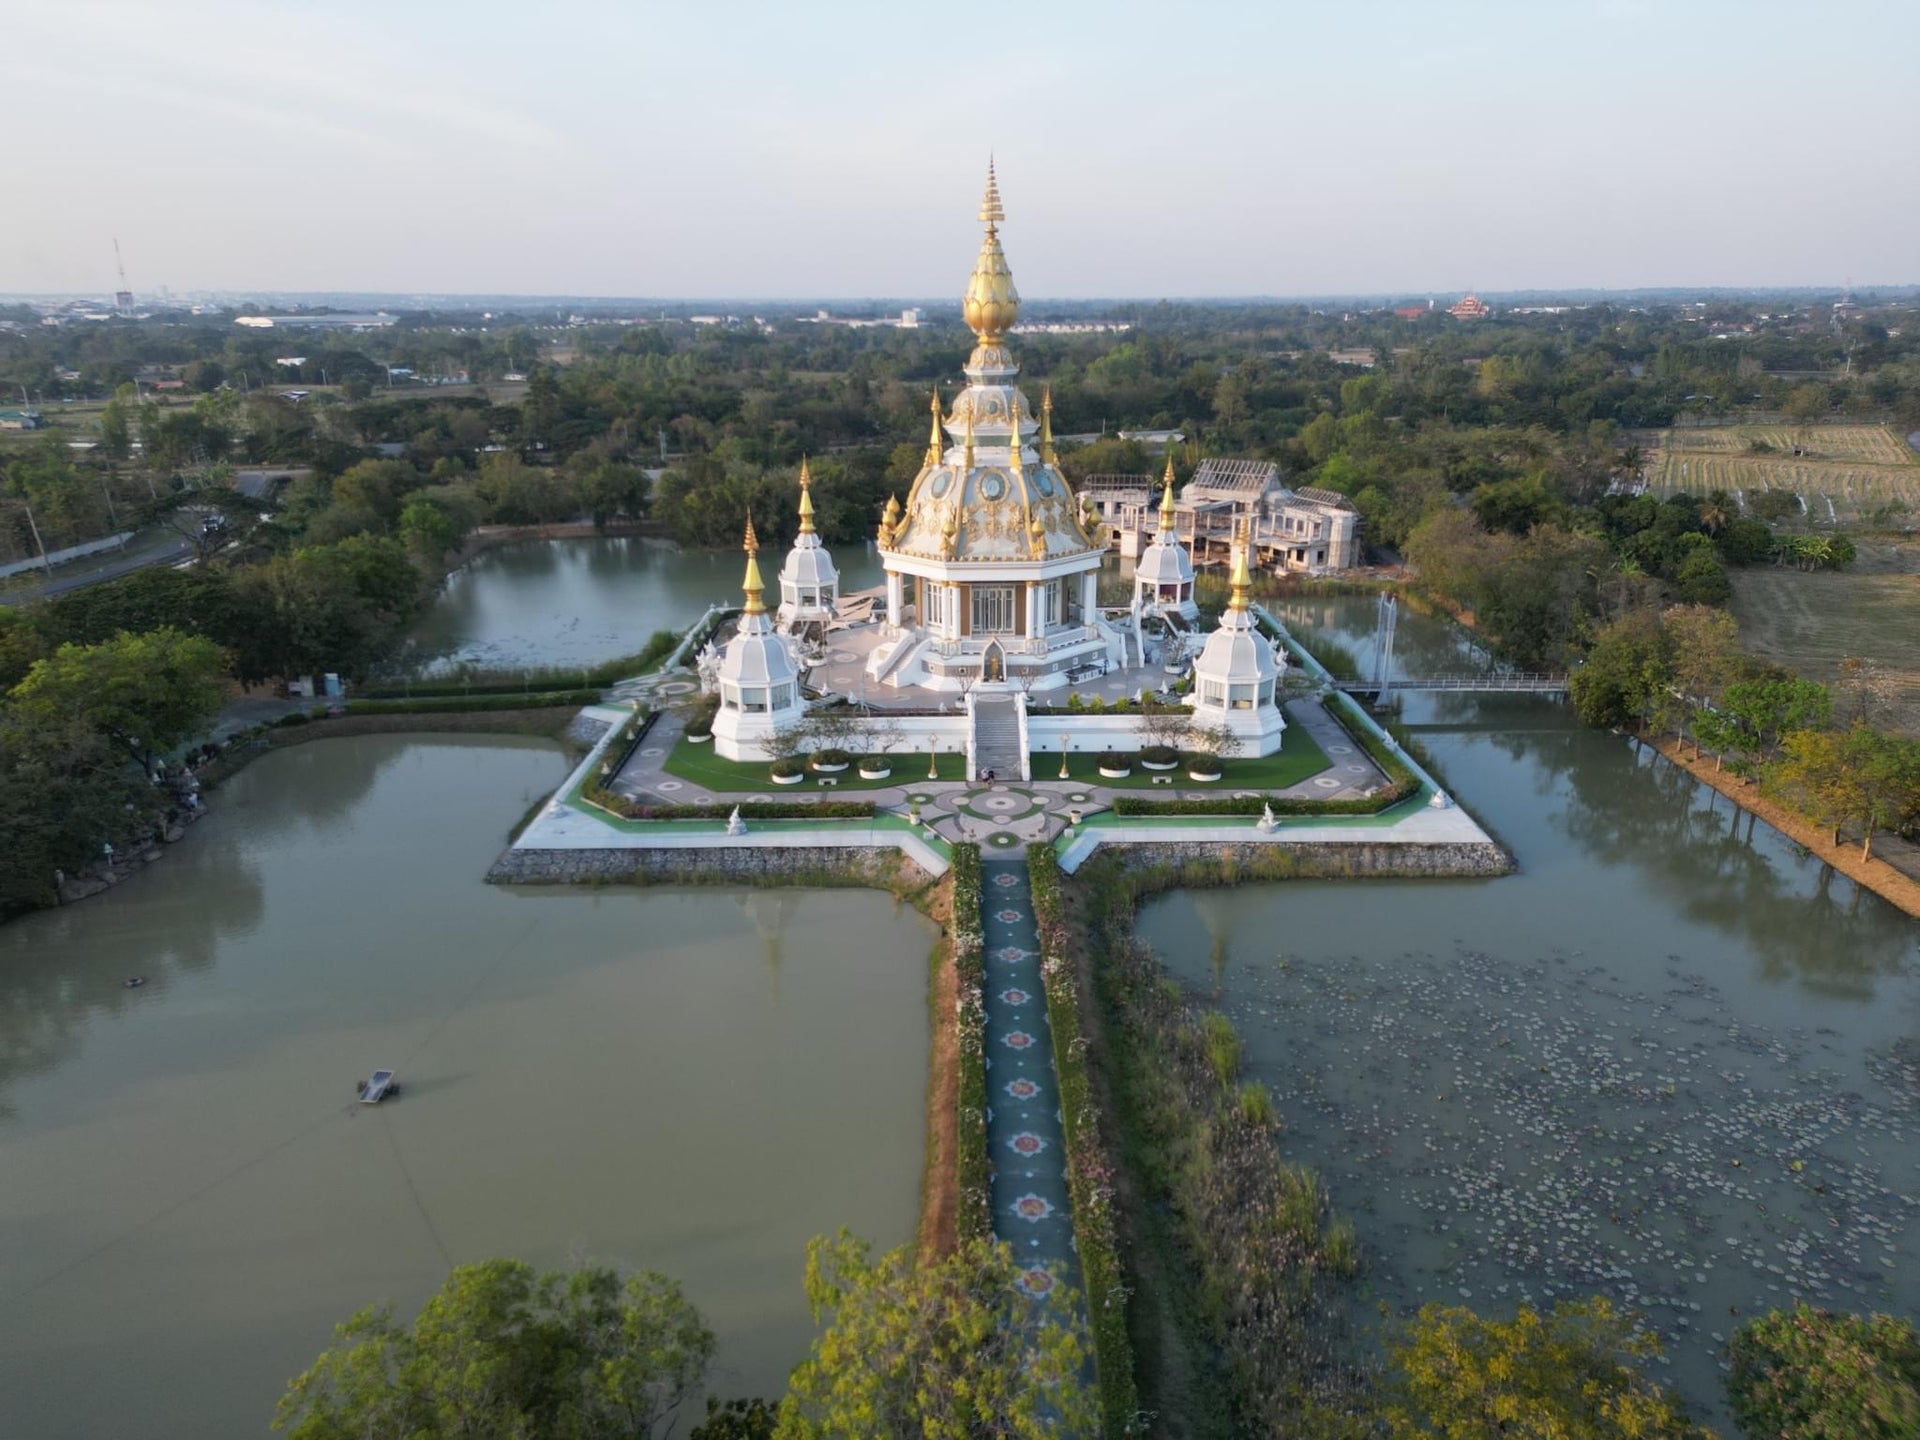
[1026, 1142]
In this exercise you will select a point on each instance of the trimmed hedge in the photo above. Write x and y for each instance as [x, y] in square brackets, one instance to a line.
[973, 1216]
[1089, 1170]
[537, 700]
[749, 809]
[1256, 804]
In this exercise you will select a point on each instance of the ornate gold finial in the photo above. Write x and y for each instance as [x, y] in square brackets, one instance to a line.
[1240, 579]
[889, 522]
[1046, 425]
[991, 304]
[1166, 497]
[1037, 538]
[752, 585]
[967, 461]
[990, 211]
[950, 536]
[1015, 463]
[806, 498]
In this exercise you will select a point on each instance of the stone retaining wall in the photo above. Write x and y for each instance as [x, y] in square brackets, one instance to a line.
[1205, 861]
[731, 865]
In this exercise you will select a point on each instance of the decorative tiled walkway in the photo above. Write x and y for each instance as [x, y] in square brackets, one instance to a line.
[1032, 1209]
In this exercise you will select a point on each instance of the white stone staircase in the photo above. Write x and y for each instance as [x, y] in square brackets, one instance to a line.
[996, 737]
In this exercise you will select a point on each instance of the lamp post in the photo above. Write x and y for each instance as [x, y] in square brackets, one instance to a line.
[933, 757]
[1063, 755]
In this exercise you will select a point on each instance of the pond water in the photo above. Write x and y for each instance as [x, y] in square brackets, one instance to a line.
[1674, 1060]
[577, 602]
[693, 1081]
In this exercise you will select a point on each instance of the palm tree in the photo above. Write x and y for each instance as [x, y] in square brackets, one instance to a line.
[1715, 514]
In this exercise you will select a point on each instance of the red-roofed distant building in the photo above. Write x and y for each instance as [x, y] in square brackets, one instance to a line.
[1470, 308]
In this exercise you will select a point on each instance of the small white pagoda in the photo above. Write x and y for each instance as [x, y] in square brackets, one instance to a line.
[1235, 678]
[809, 581]
[1163, 575]
[758, 681]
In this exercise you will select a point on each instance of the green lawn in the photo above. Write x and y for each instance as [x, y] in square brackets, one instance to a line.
[1298, 759]
[702, 766]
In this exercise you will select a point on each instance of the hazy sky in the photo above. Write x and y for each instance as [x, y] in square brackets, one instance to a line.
[837, 149]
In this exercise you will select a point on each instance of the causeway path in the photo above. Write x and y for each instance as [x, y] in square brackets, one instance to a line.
[1027, 1148]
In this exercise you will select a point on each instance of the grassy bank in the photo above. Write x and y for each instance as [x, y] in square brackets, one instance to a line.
[1239, 1269]
[973, 1217]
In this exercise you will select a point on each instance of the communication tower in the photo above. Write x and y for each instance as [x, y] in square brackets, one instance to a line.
[123, 297]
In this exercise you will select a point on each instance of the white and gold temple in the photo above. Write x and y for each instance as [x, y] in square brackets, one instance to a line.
[991, 565]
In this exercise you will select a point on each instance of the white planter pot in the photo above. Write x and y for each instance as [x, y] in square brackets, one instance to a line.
[880, 774]
[788, 779]
[1161, 764]
[1203, 776]
[826, 769]
[1116, 774]
[699, 739]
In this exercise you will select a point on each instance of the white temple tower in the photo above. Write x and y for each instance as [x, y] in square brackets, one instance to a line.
[1236, 676]
[809, 582]
[759, 684]
[1163, 575]
[991, 553]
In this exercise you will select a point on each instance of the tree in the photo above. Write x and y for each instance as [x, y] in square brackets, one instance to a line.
[1856, 776]
[502, 1352]
[428, 531]
[1704, 644]
[947, 1350]
[1762, 711]
[1627, 666]
[1572, 1374]
[1808, 1374]
[611, 489]
[1701, 579]
[146, 693]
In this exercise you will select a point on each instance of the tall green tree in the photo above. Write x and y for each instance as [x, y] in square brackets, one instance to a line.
[501, 1353]
[146, 693]
[1809, 1374]
[939, 1350]
[1570, 1374]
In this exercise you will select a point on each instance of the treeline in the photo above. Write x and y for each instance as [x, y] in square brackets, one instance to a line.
[1681, 672]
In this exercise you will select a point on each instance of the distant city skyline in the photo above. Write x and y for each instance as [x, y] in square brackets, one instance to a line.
[836, 151]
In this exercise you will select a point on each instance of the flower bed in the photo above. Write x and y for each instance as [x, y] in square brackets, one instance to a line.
[1255, 804]
[973, 1219]
[875, 767]
[1089, 1171]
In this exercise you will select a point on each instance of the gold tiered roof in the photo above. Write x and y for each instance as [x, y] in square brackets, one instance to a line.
[984, 493]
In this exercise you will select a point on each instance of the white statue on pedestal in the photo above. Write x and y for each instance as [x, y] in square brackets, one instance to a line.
[1269, 822]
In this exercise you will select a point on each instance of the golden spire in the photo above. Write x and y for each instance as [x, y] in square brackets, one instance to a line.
[1013, 440]
[967, 461]
[1046, 425]
[752, 585]
[990, 211]
[806, 498]
[936, 442]
[991, 304]
[1240, 579]
[1166, 498]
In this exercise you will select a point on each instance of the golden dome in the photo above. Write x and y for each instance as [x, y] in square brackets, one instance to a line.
[991, 304]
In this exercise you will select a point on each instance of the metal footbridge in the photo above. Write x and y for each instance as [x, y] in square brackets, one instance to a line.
[1477, 682]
